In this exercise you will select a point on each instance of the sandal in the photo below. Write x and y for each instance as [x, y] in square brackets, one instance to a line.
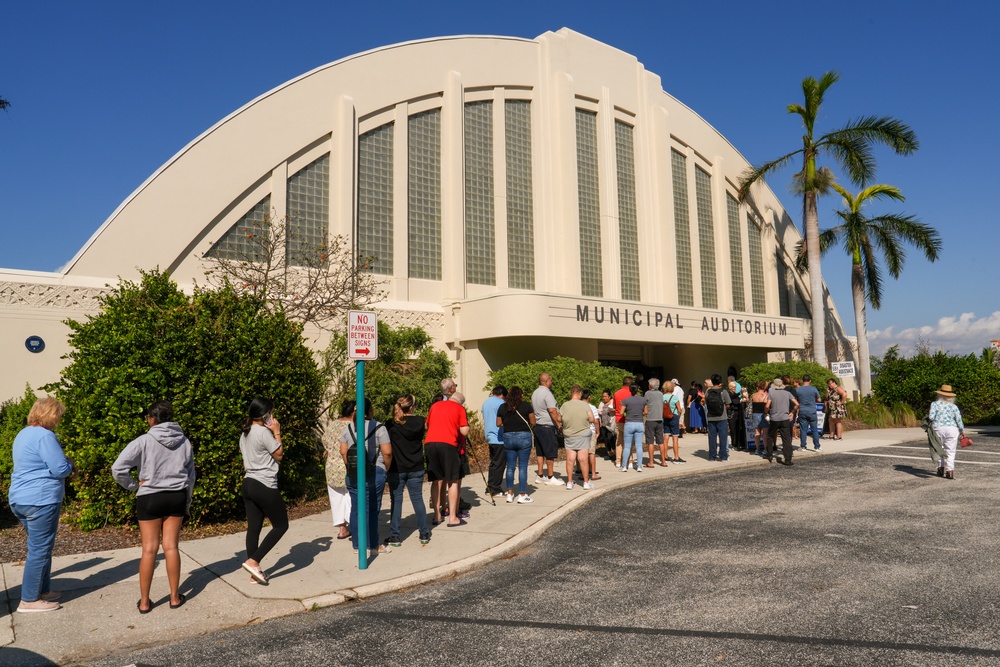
[595, 476]
[182, 599]
[138, 605]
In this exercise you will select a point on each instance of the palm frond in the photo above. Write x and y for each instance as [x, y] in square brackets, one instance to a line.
[852, 153]
[885, 130]
[759, 173]
[873, 275]
[879, 191]
[893, 251]
[909, 229]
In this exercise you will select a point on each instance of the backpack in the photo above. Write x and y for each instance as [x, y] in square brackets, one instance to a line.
[667, 412]
[713, 401]
[371, 452]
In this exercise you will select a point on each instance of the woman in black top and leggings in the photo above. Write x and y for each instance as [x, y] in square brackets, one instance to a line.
[406, 469]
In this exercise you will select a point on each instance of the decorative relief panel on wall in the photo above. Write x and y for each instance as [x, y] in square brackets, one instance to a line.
[430, 322]
[62, 297]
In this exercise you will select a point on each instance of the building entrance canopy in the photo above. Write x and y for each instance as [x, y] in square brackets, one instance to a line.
[505, 315]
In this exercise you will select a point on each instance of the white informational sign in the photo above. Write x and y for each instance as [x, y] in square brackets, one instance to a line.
[362, 335]
[842, 369]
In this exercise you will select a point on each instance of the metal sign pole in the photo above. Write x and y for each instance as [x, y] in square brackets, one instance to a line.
[362, 445]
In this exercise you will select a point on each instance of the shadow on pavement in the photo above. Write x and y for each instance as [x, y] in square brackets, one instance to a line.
[910, 470]
[300, 556]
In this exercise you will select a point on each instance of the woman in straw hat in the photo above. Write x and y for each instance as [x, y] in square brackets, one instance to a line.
[947, 422]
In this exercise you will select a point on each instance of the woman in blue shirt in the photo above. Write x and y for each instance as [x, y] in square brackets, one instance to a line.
[947, 422]
[36, 493]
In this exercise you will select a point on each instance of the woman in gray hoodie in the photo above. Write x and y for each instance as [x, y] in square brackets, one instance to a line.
[165, 465]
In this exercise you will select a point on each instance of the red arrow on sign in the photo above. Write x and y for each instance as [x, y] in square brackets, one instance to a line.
[361, 351]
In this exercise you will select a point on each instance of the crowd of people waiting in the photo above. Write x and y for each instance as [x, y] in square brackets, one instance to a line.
[401, 451]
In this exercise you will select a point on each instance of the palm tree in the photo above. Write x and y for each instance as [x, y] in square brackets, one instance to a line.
[851, 148]
[863, 238]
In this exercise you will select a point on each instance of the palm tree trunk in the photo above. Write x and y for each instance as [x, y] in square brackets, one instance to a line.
[818, 305]
[861, 324]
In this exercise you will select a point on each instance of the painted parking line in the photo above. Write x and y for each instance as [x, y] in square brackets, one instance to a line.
[964, 451]
[923, 458]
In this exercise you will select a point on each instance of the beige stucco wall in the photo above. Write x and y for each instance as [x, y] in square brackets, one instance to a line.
[191, 201]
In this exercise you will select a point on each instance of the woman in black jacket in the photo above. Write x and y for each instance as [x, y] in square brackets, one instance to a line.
[406, 470]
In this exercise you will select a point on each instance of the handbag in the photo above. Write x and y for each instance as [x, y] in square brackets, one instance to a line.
[965, 441]
[667, 412]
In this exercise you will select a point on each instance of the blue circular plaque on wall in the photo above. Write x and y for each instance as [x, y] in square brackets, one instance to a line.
[34, 344]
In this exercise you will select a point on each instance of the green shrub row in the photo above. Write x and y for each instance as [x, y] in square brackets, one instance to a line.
[751, 375]
[13, 418]
[914, 380]
[565, 372]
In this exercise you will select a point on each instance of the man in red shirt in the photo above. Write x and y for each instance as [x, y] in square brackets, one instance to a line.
[620, 396]
[446, 422]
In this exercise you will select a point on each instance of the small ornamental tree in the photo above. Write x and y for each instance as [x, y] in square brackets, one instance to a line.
[208, 354]
[565, 372]
[406, 364]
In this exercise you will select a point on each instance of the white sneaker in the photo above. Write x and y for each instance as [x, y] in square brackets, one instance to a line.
[540, 480]
[624, 469]
[524, 500]
[569, 486]
[37, 606]
[554, 481]
[510, 497]
[587, 486]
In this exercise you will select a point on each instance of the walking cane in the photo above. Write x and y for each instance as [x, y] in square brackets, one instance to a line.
[475, 458]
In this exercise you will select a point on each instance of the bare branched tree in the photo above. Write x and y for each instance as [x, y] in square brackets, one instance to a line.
[311, 281]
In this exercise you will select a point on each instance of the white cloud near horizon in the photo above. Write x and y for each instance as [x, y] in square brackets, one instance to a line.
[956, 335]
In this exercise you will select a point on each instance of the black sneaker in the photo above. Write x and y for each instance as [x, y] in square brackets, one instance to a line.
[679, 461]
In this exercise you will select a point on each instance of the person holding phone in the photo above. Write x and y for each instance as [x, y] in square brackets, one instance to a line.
[260, 445]
[164, 463]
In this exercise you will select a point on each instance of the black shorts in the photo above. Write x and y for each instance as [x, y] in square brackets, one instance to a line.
[161, 505]
[443, 462]
[546, 442]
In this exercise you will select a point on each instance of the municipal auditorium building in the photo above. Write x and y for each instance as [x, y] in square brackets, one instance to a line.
[523, 198]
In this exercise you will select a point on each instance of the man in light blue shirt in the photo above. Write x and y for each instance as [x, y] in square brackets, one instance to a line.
[808, 398]
[494, 438]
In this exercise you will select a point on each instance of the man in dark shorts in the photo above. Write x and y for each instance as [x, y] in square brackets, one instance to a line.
[446, 424]
[547, 423]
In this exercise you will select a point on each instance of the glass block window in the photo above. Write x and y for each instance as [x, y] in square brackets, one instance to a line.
[706, 238]
[520, 207]
[735, 252]
[801, 309]
[682, 229]
[784, 305]
[309, 214]
[375, 200]
[591, 277]
[480, 244]
[756, 267]
[245, 240]
[628, 226]
[424, 224]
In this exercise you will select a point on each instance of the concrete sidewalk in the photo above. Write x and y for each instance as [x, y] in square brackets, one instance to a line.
[310, 569]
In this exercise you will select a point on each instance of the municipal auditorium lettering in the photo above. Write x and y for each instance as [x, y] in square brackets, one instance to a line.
[667, 320]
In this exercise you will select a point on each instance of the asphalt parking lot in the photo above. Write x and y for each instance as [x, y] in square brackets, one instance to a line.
[861, 558]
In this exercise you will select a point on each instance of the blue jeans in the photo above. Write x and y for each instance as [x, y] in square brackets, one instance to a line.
[517, 446]
[718, 440]
[376, 485]
[414, 484]
[634, 432]
[41, 523]
[806, 421]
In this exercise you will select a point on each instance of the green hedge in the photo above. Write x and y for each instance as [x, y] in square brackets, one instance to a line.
[13, 418]
[914, 380]
[565, 373]
[751, 375]
[209, 354]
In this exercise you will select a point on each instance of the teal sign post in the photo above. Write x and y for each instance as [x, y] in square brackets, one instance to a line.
[362, 346]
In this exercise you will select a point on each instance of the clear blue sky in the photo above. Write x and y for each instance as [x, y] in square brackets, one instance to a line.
[102, 94]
